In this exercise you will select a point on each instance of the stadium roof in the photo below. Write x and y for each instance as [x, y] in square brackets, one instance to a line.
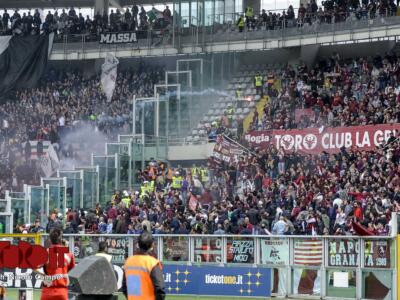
[10, 4]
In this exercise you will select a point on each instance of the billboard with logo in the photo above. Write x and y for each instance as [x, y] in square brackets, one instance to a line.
[331, 140]
[215, 280]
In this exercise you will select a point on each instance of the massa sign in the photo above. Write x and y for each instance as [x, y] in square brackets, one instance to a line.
[316, 140]
[118, 38]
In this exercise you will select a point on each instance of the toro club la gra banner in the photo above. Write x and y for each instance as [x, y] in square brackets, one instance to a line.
[316, 140]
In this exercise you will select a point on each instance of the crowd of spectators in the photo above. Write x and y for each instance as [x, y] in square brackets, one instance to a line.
[310, 14]
[63, 101]
[274, 191]
[68, 21]
[339, 92]
[71, 22]
[270, 192]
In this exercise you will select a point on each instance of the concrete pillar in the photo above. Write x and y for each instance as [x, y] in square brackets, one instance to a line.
[255, 4]
[101, 6]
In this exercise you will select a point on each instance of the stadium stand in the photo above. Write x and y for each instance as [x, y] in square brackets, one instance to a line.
[63, 101]
[271, 191]
[260, 148]
[68, 21]
[360, 91]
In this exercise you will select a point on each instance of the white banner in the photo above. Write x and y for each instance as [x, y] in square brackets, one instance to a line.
[49, 162]
[275, 252]
[55, 163]
[109, 75]
[45, 164]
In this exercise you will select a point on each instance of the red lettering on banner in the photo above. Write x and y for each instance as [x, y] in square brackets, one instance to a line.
[315, 140]
[27, 256]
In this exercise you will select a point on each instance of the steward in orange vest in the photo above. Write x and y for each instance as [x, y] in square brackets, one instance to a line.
[143, 277]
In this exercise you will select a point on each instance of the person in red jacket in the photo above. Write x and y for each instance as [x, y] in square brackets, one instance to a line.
[358, 213]
[55, 283]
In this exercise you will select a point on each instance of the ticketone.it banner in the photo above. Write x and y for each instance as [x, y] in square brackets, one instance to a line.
[317, 140]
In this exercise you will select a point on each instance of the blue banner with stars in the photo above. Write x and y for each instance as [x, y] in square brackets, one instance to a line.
[215, 281]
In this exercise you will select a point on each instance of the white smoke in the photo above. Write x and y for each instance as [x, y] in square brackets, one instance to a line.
[84, 141]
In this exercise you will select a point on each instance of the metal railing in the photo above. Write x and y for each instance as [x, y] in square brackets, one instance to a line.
[287, 255]
[217, 33]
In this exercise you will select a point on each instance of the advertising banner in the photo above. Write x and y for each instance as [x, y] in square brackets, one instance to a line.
[26, 278]
[240, 250]
[214, 281]
[343, 253]
[225, 150]
[377, 254]
[331, 140]
[275, 252]
[118, 38]
[118, 249]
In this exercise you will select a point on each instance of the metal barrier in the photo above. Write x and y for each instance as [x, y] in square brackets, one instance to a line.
[320, 267]
[217, 33]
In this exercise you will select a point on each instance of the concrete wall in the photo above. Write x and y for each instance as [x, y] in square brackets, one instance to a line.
[190, 152]
[270, 56]
[309, 53]
[357, 50]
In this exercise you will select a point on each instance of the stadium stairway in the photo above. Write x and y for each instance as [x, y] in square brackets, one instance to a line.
[244, 106]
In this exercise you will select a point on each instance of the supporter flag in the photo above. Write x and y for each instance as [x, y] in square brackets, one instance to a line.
[23, 60]
[307, 252]
[154, 14]
[49, 162]
[109, 75]
[361, 230]
[377, 287]
[227, 150]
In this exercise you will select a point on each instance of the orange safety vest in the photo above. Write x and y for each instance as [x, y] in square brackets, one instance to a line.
[57, 289]
[137, 275]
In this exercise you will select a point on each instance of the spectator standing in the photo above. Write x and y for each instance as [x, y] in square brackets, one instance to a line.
[143, 278]
[103, 251]
[6, 19]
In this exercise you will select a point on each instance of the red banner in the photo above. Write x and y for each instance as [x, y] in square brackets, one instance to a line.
[316, 140]
[226, 150]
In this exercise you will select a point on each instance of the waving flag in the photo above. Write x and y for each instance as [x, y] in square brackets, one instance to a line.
[23, 60]
[109, 75]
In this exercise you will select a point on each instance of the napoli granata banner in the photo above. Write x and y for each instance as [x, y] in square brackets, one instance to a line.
[331, 140]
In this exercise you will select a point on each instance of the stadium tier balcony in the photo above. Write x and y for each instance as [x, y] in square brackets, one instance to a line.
[163, 30]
